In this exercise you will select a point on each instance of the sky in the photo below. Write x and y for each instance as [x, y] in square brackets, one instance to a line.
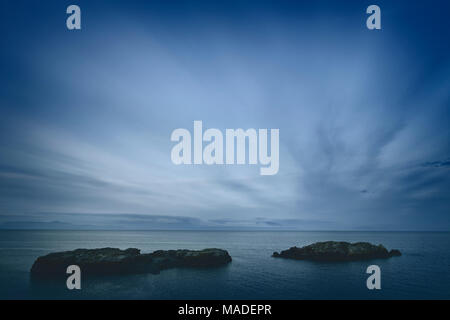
[87, 115]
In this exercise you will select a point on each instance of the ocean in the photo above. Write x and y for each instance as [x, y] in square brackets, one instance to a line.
[422, 272]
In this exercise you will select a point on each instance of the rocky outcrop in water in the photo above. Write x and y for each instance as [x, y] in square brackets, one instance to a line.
[108, 261]
[337, 251]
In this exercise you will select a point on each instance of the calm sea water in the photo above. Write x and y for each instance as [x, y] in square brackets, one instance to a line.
[421, 273]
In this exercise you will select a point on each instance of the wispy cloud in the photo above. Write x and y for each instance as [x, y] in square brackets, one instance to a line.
[363, 120]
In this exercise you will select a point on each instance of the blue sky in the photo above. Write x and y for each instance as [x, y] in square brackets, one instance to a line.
[363, 115]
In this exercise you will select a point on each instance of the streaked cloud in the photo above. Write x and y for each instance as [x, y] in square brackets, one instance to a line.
[363, 119]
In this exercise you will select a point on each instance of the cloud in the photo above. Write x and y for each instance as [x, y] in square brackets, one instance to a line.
[87, 121]
[437, 164]
[94, 221]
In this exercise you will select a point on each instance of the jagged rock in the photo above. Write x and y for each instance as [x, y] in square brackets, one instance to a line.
[395, 253]
[107, 261]
[337, 251]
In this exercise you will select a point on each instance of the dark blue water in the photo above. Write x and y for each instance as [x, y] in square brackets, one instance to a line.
[421, 273]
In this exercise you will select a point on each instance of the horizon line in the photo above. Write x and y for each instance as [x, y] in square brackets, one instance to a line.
[222, 230]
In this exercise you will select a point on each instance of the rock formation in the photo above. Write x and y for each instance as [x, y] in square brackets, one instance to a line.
[107, 261]
[337, 251]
